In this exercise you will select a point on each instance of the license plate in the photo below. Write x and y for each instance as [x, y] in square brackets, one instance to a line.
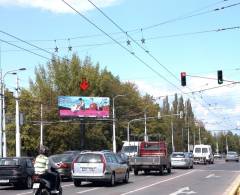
[4, 180]
[36, 185]
[88, 169]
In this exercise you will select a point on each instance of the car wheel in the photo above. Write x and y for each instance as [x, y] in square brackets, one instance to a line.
[169, 170]
[112, 181]
[135, 172]
[77, 182]
[126, 178]
[161, 170]
[28, 182]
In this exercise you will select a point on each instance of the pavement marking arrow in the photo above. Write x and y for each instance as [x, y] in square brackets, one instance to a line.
[212, 175]
[185, 190]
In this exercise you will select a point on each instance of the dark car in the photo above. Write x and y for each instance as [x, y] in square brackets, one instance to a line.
[17, 171]
[73, 152]
[62, 164]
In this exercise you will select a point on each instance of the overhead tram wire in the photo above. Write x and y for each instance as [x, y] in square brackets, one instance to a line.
[138, 43]
[25, 49]
[8, 34]
[133, 30]
[147, 38]
[130, 52]
[190, 16]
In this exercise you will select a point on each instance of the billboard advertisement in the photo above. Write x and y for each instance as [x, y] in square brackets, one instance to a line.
[81, 106]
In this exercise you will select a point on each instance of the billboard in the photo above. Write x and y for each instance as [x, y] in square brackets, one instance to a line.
[81, 106]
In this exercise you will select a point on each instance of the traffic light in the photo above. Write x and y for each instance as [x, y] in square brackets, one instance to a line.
[220, 76]
[183, 78]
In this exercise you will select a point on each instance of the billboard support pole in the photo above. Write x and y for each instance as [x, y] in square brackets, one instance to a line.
[82, 135]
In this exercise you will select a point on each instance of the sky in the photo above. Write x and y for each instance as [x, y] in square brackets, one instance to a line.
[151, 43]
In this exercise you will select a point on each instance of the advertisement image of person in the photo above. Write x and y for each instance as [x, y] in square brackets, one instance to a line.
[78, 106]
[93, 105]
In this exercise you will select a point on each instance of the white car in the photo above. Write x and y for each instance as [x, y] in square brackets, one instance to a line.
[182, 159]
[203, 154]
[99, 166]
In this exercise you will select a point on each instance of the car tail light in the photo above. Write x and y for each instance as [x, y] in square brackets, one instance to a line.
[104, 163]
[62, 165]
[72, 166]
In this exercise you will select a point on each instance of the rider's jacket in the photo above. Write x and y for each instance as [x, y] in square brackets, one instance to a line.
[41, 164]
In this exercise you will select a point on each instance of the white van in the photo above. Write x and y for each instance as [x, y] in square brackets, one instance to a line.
[203, 154]
[130, 148]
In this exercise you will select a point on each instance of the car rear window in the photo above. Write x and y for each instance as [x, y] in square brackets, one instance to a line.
[9, 162]
[231, 153]
[197, 150]
[181, 155]
[129, 149]
[62, 158]
[204, 150]
[90, 158]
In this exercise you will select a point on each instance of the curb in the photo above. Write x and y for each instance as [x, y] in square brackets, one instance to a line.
[234, 188]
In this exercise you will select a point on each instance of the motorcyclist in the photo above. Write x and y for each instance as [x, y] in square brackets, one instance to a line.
[43, 168]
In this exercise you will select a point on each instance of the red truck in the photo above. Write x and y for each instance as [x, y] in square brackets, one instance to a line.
[152, 156]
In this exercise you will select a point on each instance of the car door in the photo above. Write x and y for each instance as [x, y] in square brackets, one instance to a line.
[29, 167]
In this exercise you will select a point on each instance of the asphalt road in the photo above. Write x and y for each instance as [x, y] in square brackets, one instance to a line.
[203, 179]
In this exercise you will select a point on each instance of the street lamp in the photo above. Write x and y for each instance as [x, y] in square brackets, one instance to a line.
[2, 111]
[114, 125]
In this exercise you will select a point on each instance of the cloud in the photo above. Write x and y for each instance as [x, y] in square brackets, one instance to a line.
[58, 6]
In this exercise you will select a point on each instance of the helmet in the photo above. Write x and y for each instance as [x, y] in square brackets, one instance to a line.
[43, 150]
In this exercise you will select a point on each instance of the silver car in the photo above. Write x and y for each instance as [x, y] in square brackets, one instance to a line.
[99, 166]
[182, 159]
[232, 156]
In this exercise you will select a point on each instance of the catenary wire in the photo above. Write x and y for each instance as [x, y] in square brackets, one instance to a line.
[120, 28]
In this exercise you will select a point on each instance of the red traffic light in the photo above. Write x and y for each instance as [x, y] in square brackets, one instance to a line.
[183, 78]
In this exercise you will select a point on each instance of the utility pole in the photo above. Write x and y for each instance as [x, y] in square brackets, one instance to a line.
[1, 129]
[145, 125]
[188, 139]
[114, 123]
[18, 137]
[199, 131]
[41, 127]
[173, 147]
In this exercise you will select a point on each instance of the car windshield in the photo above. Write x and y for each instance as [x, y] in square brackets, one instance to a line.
[178, 155]
[129, 149]
[90, 158]
[62, 158]
[9, 162]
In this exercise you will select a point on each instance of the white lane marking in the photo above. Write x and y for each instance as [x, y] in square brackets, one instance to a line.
[67, 185]
[87, 191]
[148, 186]
[25, 193]
[218, 170]
[185, 190]
[211, 175]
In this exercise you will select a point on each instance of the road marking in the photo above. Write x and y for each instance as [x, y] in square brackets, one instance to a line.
[87, 191]
[145, 187]
[212, 175]
[67, 185]
[25, 193]
[185, 190]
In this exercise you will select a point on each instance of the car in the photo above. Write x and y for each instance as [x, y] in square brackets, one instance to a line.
[203, 154]
[17, 171]
[103, 166]
[217, 155]
[182, 159]
[73, 152]
[62, 164]
[232, 156]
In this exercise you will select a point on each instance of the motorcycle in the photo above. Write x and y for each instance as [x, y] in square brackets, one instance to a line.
[42, 186]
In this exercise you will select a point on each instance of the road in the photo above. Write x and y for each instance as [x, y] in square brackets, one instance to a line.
[203, 179]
